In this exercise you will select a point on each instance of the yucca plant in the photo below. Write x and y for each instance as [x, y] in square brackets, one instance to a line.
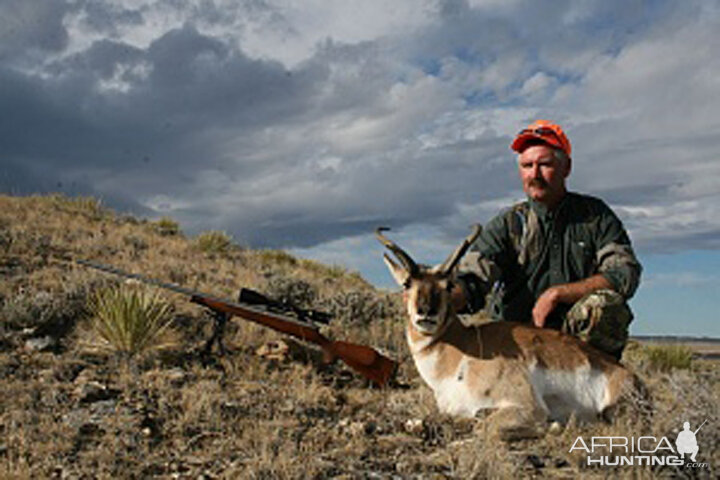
[129, 319]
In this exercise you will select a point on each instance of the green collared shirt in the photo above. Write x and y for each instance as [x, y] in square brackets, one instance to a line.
[528, 248]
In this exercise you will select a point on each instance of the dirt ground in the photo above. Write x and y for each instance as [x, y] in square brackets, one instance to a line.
[268, 408]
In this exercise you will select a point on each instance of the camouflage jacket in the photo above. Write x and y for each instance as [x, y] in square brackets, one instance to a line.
[527, 249]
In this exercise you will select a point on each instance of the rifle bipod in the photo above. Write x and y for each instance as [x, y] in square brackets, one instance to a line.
[220, 319]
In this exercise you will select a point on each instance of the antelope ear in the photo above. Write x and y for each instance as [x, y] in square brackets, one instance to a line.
[399, 274]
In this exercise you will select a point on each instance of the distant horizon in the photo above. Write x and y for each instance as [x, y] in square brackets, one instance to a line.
[678, 337]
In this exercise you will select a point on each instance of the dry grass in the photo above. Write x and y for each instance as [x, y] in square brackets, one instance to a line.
[166, 226]
[213, 242]
[69, 412]
[668, 357]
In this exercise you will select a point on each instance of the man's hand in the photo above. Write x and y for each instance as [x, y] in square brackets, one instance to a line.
[544, 305]
[567, 293]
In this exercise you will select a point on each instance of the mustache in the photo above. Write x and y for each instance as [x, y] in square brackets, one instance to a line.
[537, 182]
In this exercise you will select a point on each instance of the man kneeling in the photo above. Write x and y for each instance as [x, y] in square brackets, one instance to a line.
[560, 259]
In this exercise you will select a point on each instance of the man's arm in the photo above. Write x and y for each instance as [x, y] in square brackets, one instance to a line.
[615, 258]
[617, 269]
[566, 293]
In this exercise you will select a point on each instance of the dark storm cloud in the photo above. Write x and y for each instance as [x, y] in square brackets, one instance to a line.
[186, 109]
[29, 26]
[175, 99]
[106, 18]
[28, 179]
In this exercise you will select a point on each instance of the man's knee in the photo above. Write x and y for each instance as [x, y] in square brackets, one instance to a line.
[601, 319]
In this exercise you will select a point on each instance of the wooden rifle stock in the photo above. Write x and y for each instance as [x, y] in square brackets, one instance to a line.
[364, 360]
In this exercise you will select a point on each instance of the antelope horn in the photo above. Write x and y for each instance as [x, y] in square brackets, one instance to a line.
[455, 257]
[404, 258]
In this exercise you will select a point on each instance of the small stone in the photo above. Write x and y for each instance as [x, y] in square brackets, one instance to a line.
[555, 428]
[76, 418]
[177, 377]
[275, 350]
[356, 428]
[93, 391]
[404, 467]
[415, 426]
[192, 460]
[39, 344]
[102, 408]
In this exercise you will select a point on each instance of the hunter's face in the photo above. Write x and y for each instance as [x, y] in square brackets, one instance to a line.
[542, 175]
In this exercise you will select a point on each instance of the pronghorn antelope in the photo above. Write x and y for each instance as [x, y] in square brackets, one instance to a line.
[519, 372]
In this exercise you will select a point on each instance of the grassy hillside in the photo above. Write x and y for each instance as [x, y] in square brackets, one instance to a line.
[69, 409]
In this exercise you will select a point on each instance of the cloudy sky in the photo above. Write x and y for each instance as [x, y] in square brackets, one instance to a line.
[304, 124]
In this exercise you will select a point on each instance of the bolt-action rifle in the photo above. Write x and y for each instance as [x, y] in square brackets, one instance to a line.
[363, 359]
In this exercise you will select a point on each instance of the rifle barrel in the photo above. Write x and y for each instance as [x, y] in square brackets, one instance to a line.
[136, 276]
[189, 292]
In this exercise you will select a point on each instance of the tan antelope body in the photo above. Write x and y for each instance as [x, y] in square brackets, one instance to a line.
[505, 367]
